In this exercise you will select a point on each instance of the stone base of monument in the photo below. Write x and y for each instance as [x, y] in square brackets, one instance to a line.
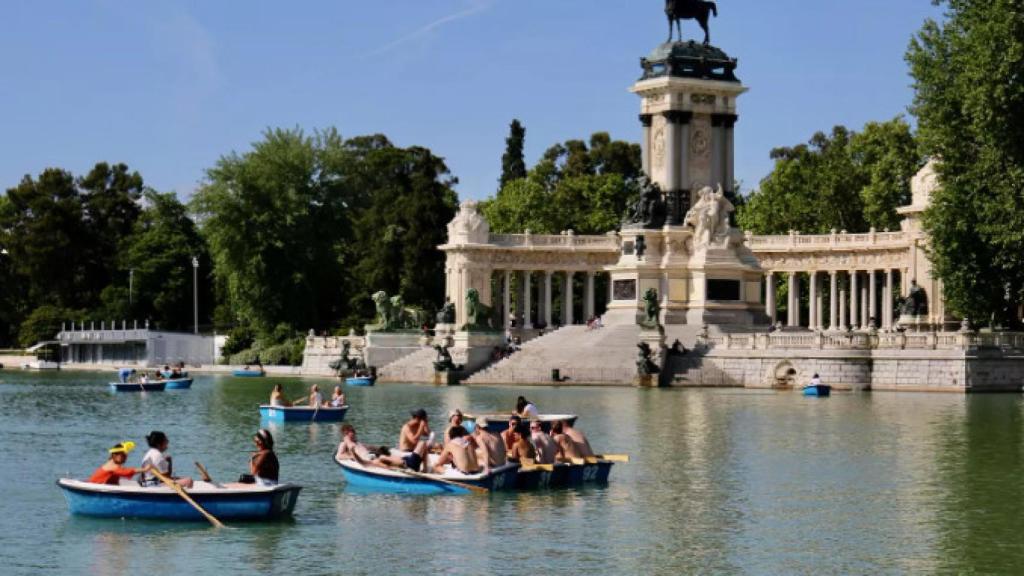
[448, 378]
[648, 381]
[474, 350]
[383, 348]
[655, 338]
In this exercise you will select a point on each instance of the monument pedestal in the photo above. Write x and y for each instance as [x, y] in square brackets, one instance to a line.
[383, 348]
[474, 350]
[655, 338]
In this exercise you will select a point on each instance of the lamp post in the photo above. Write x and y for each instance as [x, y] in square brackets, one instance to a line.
[195, 293]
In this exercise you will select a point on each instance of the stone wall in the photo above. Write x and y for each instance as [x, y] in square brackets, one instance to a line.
[321, 351]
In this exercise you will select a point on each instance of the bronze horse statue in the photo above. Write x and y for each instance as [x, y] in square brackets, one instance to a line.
[699, 10]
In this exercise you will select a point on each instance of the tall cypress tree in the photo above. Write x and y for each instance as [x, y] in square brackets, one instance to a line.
[513, 164]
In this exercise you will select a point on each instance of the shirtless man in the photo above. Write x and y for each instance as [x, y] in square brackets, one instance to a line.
[350, 447]
[578, 438]
[490, 448]
[511, 436]
[547, 449]
[566, 448]
[413, 431]
[460, 452]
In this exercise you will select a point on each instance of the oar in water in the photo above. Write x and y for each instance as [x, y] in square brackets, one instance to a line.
[181, 492]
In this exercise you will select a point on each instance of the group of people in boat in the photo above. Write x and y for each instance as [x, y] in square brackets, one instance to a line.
[473, 452]
[315, 399]
[264, 469]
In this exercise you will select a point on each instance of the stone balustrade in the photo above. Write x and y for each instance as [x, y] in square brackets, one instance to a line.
[867, 341]
[609, 242]
[835, 240]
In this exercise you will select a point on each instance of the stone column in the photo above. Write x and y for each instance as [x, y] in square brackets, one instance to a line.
[588, 298]
[864, 308]
[812, 308]
[506, 299]
[730, 161]
[545, 299]
[873, 298]
[842, 310]
[646, 120]
[567, 311]
[794, 300]
[672, 151]
[820, 312]
[887, 300]
[853, 300]
[833, 302]
[527, 300]
[677, 155]
[769, 296]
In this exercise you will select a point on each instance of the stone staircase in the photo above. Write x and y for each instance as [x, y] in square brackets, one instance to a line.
[416, 367]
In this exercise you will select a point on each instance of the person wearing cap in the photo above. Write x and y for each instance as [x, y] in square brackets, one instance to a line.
[263, 465]
[454, 419]
[158, 459]
[114, 469]
[414, 431]
[490, 448]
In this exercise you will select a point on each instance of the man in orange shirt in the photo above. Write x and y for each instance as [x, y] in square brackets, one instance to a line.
[114, 469]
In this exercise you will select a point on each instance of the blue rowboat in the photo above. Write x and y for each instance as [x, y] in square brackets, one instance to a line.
[137, 387]
[575, 475]
[374, 479]
[170, 375]
[302, 413]
[253, 503]
[498, 423]
[360, 381]
[248, 373]
[820, 390]
[179, 384]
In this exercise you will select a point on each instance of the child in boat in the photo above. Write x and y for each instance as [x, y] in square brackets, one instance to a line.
[114, 469]
[158, 459]
[264, 466]
[277, 398]
[338, 398]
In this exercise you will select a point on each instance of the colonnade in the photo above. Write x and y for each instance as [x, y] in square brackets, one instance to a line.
[857, 299]
[530, 313]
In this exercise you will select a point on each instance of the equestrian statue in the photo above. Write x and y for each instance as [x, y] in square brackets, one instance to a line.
[699, 10]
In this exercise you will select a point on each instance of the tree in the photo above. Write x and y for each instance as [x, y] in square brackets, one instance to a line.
[513, 163]
[44, 323]
[969, 101]
[843, 181]
[110, 206]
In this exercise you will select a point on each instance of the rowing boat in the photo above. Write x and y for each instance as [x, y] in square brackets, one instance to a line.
[251, 503]
[302, 413]
[138, 386]
[248, 373]
[395, 481]
[498, 423]
[360, 381]
[821, 390]
[564, 475]
[179, 383]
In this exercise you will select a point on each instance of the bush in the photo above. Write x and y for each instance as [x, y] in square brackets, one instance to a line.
[240, 339]
[287, 354]
[44, 324]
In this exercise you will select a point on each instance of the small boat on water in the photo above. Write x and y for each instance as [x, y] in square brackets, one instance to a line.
[498, 423]
[178, 383]
[819, 390]
[302, 413]
[170, 375]
[396, 481]
[41, 365]
[138, 386]
[248, 373]
[251, 503]
[360, 381]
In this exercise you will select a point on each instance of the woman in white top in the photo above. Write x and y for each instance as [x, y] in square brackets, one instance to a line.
[277, 398]
[526, 409]
[158, 459]
[316, 398]
[338, 398]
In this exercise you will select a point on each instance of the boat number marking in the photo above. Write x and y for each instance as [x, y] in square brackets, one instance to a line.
[589, 473]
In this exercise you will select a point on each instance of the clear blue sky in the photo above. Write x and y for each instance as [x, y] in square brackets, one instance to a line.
[169, 86]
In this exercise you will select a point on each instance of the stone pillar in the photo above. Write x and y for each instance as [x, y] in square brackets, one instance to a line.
[676, 154]
[794, 300]
[873, 298]
[567, 310]
[646, 120]
[812, 308]
[545, 299]
[588, 297]
[820, 312]
[887, 301]
[730, 155]
[769, 296]
[853, 300]
[842, 310]
[506, 300]
[865, 315]
[833, 302]
[527, 300]
[672, 150]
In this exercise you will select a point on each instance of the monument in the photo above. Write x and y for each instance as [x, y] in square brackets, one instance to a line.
[679, 240]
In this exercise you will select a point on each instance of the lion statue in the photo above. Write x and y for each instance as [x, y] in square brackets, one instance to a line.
[479, 316]
[393, 314]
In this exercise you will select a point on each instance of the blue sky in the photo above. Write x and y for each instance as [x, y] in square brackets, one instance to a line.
[169, 86]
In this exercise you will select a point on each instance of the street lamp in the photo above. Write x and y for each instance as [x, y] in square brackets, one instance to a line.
[195, 293]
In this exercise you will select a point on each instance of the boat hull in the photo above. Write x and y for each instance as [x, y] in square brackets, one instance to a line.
[360, 381]
[372, 479]
[147, 387]
[179, 384]
[247, 374]
[820, 390]
[257, 504]
[302, 414]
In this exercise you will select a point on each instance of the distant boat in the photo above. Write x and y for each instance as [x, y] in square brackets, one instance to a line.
[820, 390]
[251, 503]
[41, 365]
[171, 376]
[138, 386]
[248, 373]
[178, 383]
[302, 413]
[361, 381]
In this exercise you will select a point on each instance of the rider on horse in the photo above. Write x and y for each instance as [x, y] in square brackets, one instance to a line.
[699, 10]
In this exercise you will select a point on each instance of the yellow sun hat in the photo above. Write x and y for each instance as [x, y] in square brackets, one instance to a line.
[123, 447]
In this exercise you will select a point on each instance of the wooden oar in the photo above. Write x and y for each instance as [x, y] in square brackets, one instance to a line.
[204, 473]
[531, 467]
[181, 492]
[614, 457]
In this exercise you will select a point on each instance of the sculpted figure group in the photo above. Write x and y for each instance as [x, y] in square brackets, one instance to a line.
[709, 217]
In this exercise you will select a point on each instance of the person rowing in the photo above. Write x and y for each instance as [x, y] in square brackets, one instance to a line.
[158, 459]
[460, 452]
[316, 398]
[263, 465]
[277, 398]
[114, 469]
[414, 431]
[526, 410]
[350, 448]
[490, 448]
[545, 446]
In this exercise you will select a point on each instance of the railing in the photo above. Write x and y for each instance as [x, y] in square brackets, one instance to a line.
[1007, 341]
[134, 334]
[568, 240]
[324, 344]
[835, 240]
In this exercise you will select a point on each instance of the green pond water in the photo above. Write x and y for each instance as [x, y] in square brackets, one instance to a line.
[721, 482]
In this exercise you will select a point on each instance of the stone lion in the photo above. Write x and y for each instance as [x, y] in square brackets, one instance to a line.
[479, 316]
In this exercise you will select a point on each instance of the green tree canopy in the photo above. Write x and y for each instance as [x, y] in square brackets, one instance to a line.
[513, 163]
[845, 180]
[968, 75]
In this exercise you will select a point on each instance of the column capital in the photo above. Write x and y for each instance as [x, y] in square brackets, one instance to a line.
[678, 116]
[646, 120]
[727, 120]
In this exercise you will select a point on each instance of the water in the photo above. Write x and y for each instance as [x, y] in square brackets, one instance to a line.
[721, 481]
